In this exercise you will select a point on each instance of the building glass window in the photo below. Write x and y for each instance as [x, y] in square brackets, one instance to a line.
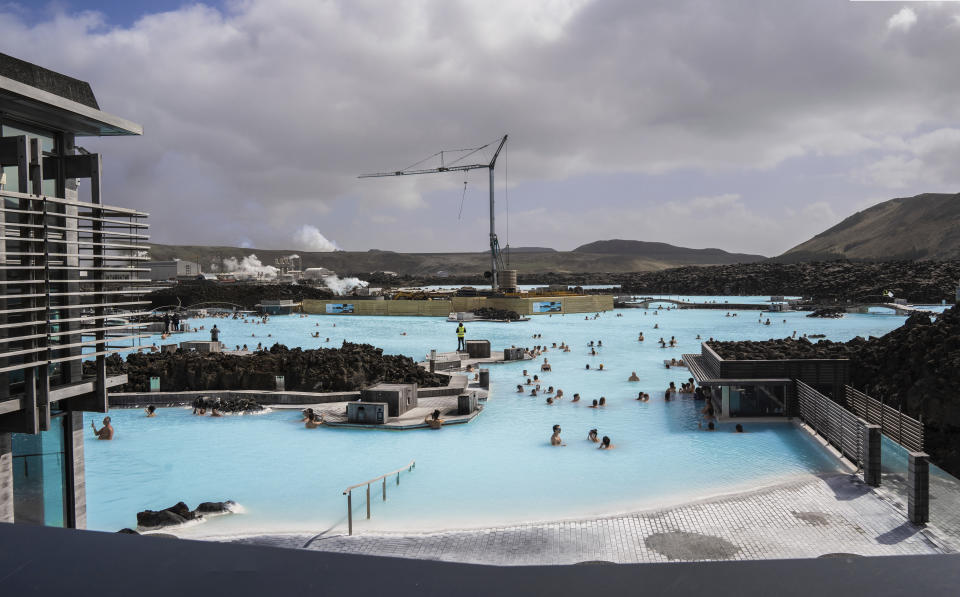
[757, 401]
[40, 476]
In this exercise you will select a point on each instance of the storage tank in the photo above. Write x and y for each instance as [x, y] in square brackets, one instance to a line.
[508, 280]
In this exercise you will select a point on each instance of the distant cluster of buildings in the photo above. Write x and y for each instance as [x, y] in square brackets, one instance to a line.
[181, 270]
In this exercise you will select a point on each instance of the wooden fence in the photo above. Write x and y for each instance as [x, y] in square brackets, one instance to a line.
[840, 427]
[906, 431]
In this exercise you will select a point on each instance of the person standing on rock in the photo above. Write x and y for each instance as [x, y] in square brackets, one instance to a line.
[214, 333]
[461, 335]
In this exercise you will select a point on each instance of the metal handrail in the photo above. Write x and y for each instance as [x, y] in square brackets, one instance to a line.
[349, 491]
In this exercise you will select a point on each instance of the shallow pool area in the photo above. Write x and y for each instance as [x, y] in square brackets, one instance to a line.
[498, 469]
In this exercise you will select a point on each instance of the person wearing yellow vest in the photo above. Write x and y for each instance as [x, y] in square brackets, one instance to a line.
[461, 334]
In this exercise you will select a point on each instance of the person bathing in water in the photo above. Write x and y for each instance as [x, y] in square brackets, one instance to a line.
[105, 432]
[555, 438]
[592, 436]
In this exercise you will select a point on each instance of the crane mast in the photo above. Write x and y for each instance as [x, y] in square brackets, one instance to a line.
[496, 262]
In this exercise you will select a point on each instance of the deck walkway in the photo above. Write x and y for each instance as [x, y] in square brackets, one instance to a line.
[806, 518]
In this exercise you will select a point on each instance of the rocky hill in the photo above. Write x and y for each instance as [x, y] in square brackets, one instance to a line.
[916, 281]
[666, 252]
[245, 295]
[923, 227]
[351, 367]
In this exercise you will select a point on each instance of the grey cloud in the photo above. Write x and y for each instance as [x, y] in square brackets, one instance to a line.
[259, 118]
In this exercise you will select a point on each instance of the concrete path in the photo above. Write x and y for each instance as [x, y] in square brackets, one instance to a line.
[806, 518]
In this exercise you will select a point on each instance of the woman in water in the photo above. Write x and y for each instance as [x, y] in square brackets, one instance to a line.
[592, 436]
[519, 389]
[576, 398]
[603, 401]
[549, 401]
[594, 405]
[605, 443]
[151, 411]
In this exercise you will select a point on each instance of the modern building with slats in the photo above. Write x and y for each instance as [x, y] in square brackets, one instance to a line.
[71, 274]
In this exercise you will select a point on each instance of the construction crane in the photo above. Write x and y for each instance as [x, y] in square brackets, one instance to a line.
[496, 262]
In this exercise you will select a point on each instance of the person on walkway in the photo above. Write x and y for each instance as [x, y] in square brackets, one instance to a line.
[461, 335]
[214, 333]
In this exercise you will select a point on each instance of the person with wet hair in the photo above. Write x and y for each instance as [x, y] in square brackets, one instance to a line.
[594, 405]
[555, 438]
[151, 411]
[592, 436]
[605, 443]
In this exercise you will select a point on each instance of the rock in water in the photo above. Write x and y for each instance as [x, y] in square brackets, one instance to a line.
[216, 507]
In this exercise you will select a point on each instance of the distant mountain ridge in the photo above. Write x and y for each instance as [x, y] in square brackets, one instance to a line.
[923, 227]
[658, 250]
[602, 256]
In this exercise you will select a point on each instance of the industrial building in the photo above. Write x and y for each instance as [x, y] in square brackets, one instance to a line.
[176, 269]
[70, 266]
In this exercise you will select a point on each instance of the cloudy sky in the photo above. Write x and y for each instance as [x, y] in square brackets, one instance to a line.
[744, 125]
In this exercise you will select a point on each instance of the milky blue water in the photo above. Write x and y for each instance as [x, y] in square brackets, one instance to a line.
[497, 469]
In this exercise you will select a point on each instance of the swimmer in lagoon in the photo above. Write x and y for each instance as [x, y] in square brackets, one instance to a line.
[633, 377]
[594, 405]
[151, 411]
[603, 401]
[576, 398]
[592, 436]
[555, 438]
[605, 444]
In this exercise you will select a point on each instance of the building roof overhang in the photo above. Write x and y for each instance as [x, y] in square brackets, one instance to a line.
[31, 104]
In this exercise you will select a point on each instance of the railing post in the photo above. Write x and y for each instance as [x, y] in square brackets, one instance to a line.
[349, 512]
[398, 478]
[384, 489]
[900, 423]
[368, 501]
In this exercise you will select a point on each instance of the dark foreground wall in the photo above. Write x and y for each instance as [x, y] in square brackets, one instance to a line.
[47, 561]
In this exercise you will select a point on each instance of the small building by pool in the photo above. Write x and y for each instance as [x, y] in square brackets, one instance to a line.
[762, 388]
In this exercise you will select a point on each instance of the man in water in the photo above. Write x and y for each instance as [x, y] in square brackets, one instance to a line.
[105, 432]
[461, 335]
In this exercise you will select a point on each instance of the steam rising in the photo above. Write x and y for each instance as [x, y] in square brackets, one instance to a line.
[341, 286]
[309, 238]
[249, 267]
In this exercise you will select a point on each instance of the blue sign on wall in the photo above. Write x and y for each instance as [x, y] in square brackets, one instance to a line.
[339, 308]
[548, 307]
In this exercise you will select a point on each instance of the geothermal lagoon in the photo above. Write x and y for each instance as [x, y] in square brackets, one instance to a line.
[500, 468]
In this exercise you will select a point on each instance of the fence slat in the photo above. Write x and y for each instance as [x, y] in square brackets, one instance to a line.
[904, 430]
[840, 427]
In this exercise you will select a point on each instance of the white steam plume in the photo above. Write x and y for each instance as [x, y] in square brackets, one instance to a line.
[341, 286]
[309, 238]
[249, 267]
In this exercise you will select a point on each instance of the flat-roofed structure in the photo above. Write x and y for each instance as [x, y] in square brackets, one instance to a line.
[173, 270]
[71, 272]
[761, 388]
